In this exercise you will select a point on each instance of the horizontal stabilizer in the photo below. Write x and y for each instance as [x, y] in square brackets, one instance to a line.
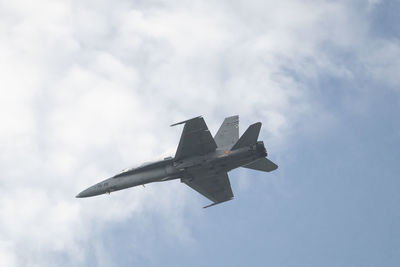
[262, 164]
[249, 137]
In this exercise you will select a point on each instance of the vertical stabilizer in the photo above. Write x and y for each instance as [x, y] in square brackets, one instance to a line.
[228, 133]
[249, 137]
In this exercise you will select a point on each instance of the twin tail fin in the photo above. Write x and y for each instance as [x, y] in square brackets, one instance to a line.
[249, 137]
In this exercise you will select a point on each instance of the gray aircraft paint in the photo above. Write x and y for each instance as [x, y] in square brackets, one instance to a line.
[201, 161]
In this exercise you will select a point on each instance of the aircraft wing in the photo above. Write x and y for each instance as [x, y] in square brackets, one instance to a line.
[196, 139]
[215, 187]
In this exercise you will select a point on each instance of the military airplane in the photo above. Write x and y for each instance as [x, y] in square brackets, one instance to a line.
[201, 161]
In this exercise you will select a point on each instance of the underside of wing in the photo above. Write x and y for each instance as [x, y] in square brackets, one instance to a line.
[196, 139]
[215, 187]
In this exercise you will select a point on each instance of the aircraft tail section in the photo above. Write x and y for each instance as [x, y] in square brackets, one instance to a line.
[262, 164]
[249, 137]
[228, 133]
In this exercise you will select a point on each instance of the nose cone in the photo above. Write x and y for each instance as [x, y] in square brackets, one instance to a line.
[84, 193]
[103, 187]
[90, 192]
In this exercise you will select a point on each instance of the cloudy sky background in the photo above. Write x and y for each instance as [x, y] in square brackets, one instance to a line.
[89, 88]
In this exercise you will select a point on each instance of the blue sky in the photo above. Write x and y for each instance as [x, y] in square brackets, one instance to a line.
[333, 202]
[90, 87]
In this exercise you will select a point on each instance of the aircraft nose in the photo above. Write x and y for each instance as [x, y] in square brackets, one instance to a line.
[84, 193]
[91, 191]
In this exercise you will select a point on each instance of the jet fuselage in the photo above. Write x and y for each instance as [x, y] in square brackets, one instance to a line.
[168, 169]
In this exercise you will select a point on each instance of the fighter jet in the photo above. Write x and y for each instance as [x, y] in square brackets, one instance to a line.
[201, 161]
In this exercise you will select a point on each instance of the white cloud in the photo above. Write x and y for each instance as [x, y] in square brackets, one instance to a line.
[91, 87]
[383, 64]
[7, 255]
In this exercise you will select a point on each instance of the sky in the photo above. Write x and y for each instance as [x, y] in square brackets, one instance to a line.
[89, 88]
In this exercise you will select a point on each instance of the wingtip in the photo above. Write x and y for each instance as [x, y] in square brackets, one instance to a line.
[182, 122]
[216, 203]
[212, 204]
